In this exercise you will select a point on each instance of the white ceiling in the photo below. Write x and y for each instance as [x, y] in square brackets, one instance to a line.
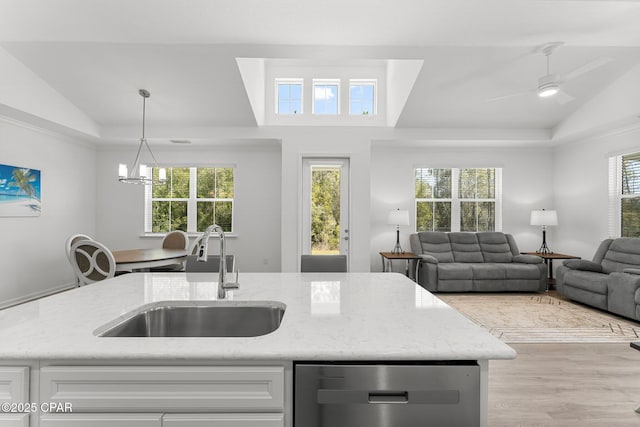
[97, 53]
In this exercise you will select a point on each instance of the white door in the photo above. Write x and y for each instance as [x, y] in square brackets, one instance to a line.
[325, 206]
[101, 420]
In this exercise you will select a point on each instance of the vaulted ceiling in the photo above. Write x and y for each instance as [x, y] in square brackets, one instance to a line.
[97, 53]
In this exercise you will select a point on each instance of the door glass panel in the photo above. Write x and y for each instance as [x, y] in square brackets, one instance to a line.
[325, 210]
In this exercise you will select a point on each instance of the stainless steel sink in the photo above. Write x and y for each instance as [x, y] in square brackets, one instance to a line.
[198, 319]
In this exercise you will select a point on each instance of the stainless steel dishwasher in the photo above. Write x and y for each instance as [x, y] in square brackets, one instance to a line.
[387, 395]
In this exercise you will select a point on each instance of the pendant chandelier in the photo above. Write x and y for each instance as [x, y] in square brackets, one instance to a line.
[140, 173]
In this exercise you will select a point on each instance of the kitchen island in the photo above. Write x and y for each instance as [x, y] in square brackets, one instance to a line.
[350, 317]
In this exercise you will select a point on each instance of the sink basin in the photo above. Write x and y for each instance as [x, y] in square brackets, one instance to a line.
[198, 319]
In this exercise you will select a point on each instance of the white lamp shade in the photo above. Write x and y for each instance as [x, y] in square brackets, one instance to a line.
[544, 217]
[398, 217]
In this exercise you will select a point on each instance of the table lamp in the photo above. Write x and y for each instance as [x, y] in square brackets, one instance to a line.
[544, 218]
[398, 217]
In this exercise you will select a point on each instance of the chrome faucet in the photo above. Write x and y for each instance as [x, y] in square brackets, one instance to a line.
[223, 285]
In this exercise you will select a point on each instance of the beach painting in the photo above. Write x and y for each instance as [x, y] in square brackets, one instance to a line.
[19, 191]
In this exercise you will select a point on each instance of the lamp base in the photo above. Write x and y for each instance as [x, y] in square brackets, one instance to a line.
[544, 249]
[397, 249]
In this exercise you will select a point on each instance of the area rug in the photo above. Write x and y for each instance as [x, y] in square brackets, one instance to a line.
[542, 318]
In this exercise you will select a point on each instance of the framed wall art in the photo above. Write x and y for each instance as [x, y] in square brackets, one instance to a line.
[19, 191]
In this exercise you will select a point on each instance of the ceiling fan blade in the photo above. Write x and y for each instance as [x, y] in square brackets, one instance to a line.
[586, 68]
[511, 95]
[563, 97]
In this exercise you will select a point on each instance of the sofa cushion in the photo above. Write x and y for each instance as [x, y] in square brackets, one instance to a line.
[637, 297]
[623, 253]
[587, 280]
[454, 271]
[488, 271]
[494, 247]
[436, 244]
[584, 265]
[520, 271]
[465, 247]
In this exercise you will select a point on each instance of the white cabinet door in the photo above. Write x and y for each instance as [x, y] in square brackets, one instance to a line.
[223, 420]
[101, 420]
[14, 420]
[153, 389]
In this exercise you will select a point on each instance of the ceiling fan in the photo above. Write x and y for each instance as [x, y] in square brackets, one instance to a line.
[551, 85]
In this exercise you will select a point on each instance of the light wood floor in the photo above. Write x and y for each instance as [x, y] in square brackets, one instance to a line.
[566, 385]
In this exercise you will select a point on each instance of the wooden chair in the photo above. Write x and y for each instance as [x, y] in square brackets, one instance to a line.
[92, 261]
[67, 249]
[176, 239]
[323, 264]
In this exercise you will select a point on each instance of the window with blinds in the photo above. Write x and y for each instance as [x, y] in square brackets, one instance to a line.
[624, 195]
[458, 199]
[192, 199]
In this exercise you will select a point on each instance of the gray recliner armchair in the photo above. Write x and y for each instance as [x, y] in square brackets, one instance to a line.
[611, 281]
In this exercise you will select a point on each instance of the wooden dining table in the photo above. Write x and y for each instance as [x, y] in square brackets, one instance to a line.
[142, 259]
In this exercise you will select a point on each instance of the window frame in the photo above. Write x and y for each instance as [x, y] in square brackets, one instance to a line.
[456, 201]
[363, 82]
[616, 195]
[192, 200]
[288, 81]
[325, 82]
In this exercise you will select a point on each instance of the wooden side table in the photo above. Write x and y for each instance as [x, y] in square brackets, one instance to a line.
[389, 257]
[548, 259]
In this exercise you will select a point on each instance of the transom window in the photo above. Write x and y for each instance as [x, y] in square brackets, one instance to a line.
[624, 195]
[455, 199]
[191, 200]
[362, 95]
[289, 96]
[326, 96]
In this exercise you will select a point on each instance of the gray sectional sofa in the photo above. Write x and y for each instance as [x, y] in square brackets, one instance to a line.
[483, 262]
[611, 281]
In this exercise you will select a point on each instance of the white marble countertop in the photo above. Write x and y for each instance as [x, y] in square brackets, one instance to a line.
[329, 316]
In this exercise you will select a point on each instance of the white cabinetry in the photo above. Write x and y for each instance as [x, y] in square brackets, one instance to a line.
[14, 390]
[101, 420]
[223, 420]
[167, 396]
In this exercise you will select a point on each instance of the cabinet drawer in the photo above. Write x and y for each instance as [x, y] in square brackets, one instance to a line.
[14, 420]
[223, 420]
[165, 388]
[14, 384]
[101, 420]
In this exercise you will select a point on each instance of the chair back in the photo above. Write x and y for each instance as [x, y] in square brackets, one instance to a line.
[323, 264]
[73, 239]
[92, 261]
[212, 264]
[177, 239]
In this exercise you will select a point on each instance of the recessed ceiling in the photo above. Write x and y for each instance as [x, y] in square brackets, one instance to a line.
[98, 54]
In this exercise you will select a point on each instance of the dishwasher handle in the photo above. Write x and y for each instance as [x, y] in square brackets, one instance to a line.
[350, 397]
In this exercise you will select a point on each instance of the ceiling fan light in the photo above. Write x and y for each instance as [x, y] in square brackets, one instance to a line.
[547, 90]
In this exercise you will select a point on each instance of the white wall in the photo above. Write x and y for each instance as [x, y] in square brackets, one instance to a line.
[257, 200]
[328, 142]
[581, 172]
[32, 257]
[527, 176]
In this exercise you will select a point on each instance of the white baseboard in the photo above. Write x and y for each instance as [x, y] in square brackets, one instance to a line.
[36, 295]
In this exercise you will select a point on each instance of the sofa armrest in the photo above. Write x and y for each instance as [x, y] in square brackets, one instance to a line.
[428, 258]
[583, 264]
[621, 290]
[527, 259]
[632, 271]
